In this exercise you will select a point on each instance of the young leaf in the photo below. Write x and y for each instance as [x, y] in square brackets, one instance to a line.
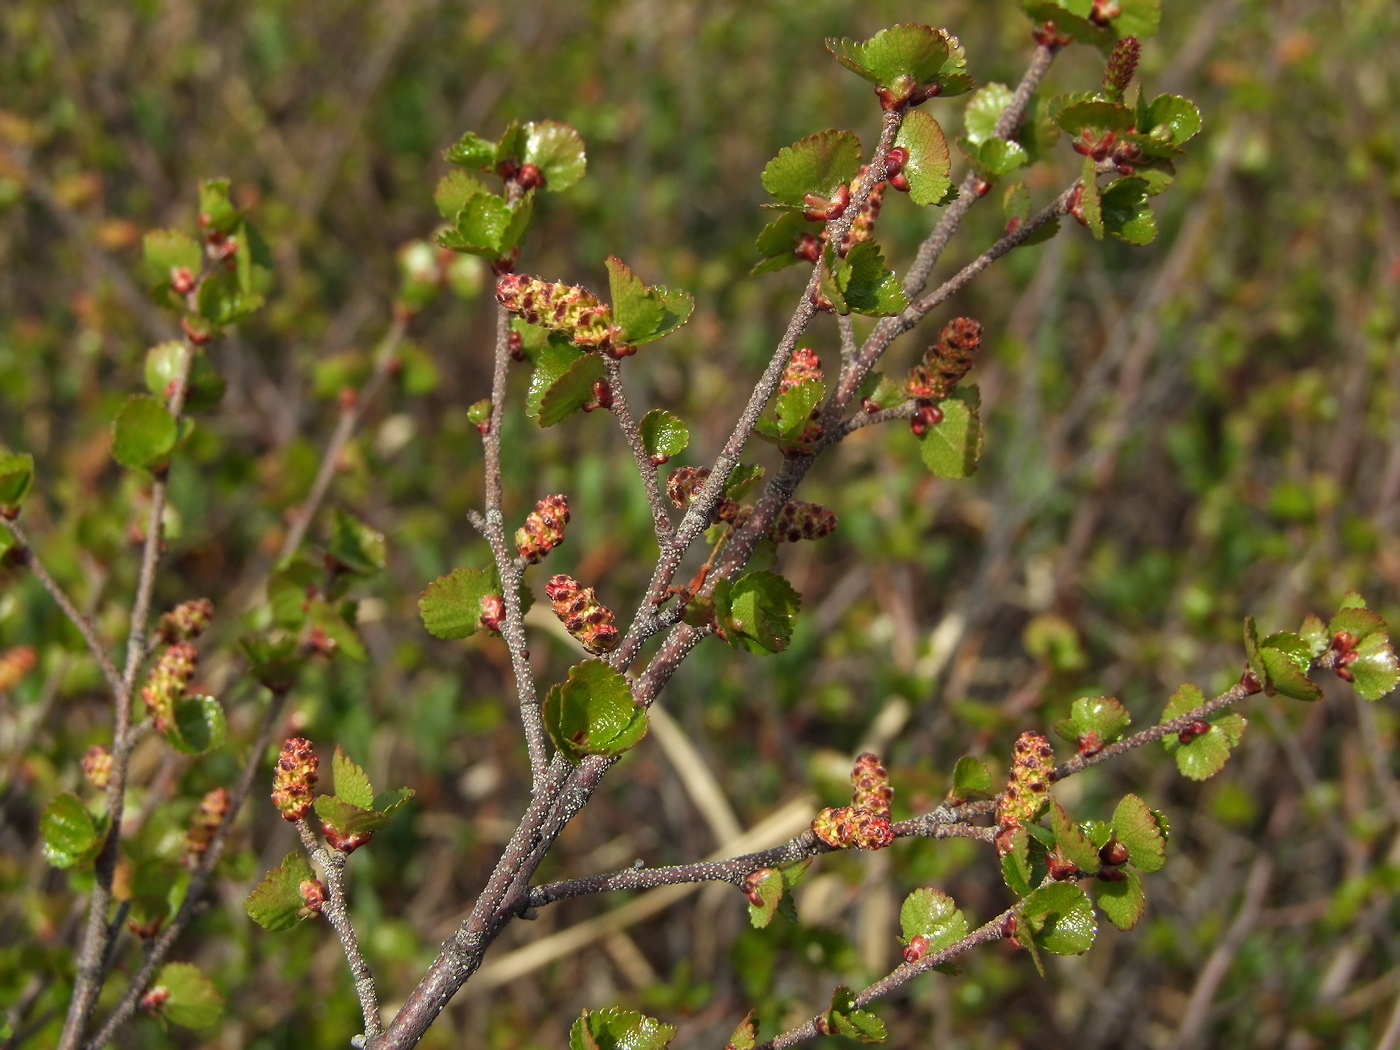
[909, 62]
[557, 150]
[951, 448]
[593, 713]
[276, 902]
[644, 313]
[982, 112]
[995, 158]
[348, 818]
[350, 782]
[191, 999]
[663, 435]
[1201, 756]
[334, 627]
[1286, 660]
[793, 410]
[16, 476]
[931, 914]
[778, 242]
[767, 885]
[1073, 844]
[614, 1029]
[1123, 902]
[742, 479]
[817, 165]
[71, 835]
[1315, 635]
[1168, 120]
[451, 605]
[971, 779]
[454, 190]
[197, 725]
[745, 1036]
[1126, 213]
[1093, 723]
[355, 546]
[929, 162]
[1060, 918]
[1375, 671]
[1023, 866]
[166, 250]
[144, 434]
[487, 226]
[1136, 827]
[205, 387]
[759, 612]
[845, 1018]
[860, 283]
[1089, 114]
[472, 151]
[571, 390]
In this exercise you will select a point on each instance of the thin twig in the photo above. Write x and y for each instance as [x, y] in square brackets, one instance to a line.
[79, 620]
[351, 412]
[199, 878]
[660, 518]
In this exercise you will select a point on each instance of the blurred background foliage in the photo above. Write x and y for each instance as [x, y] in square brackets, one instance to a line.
[1177, 436]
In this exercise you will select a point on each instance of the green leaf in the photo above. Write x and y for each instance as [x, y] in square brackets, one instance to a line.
[742, 480]
[164, 361]
[792, 411]
[971, 779]
[1023, 866]
[276, 902]
[197, 726]
[348, 818]
[983, 110]
[71, 835]
[644, 313]
[355, 546]
[1375, 671]
[553, 357]
[165, 250]
[1168, 119]
[1088, 113]
[1073, 844]
[778, 242]
[769, 886]
[451, 604]
[472, 151]
[663, 434]
[951, 448]
[572, 390]
[817, 164]
[557, 150]
[614, 1029]
[593, 713]
[1126, 213]
[289, 592]
[274, 661]
[337, 628]
[758, 612]
[225, 297]
[932, 914]
[1060, 918]
[216, 208]
[1315, 635]
[863, 284]
[487, 226]
[1093, 722]
[350, 782]
[1122, 902]
[1204, 755]
[1090, 201]
[904, 59]
[16, 477]
[192, 1000]
[144, 434]
[929, 163]
[745, 1035]
[995, 158]
[845, 1018]
[881, 391]
[1135, 826]
[454, 190]
[1286, 660]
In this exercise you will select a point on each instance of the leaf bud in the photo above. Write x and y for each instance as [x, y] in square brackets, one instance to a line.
[344, 841]
[914, 950]
[1113, 853]
[1197, 728]
[493, 612]
[895, 160]
[313, 895]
